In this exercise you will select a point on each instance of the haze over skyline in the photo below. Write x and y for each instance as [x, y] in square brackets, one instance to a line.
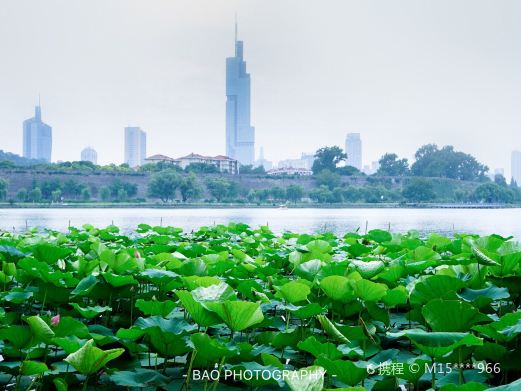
[402, 73]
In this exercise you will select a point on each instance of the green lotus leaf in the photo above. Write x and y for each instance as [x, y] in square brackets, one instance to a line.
[219, 292]
[337, 288]
[306, 379]
[85, 286]
[90, 312]
[211, 349]
[238, 315]
[40, 329]
[331, 329]
[345, 371]
[317, 349]
[370, 291]
[367, 269]
[118, 281]
[294, 292]
[31, 368]
[155, 307]
[89, 359]
[199, 314]
[139, 378]
[452, 315]
[435, 287]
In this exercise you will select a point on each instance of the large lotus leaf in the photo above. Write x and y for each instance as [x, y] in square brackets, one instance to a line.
[89, 359]
[451, 315]
[118, 280]
[173, 326]
[167, 344]
[18, 296]
[482, 258]
[90, 312]
[307, 311]
[370, 291]
[238, 315]
[331, 329]
[69, 344]
[345, 371]
[193, 282]
[199, 314]
[19, 336]
[294, 292]
[435, 287]
[515, 386]
[306, 379]
[211, 349]
[504, 329]
[85, 286]
[219, 292]
[31, 368]
[317, 349]
[484, 296]
[379, 236]
[337, 288]
[310, 269]
[396, 296]
[438, 344]
[472, 386]
[319, 246]
[367, 269]
[50, 253]
[139, 378]
[11, 253]
[155, 307]
[40, 329]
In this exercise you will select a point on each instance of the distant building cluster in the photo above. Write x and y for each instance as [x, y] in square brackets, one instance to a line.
[224, 164]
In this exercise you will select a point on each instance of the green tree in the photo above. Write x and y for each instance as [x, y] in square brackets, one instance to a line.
[56, 195]
[164, 185]
[72, 189]
[3, 189]
[430, 161]
[21, 195]
[328, 178]
[218, 187]
[105, 193]
[122, 195]
[328, 158]
[189, 188]
[294, 193]
[390, 165]
[48, 187]
[349, 171]
[278, 193]
[321, 195]
[249, 169]
[35, 195]
[419, 190]
[85, 194]
[500, 180]
[491, 193]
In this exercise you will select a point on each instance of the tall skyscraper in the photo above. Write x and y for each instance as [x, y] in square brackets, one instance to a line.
[89, 154]
[240, 135]
[354, 150]
[516, 166]
[37, 137]
[135, 146]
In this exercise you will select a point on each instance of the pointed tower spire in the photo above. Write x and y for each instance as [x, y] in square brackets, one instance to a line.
[38, 110]
[236, 28]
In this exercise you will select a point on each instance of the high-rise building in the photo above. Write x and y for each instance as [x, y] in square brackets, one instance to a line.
[37, 137]
[89, 154]
[354, 150]
[240, 135]
[516, 166]
[135, 146]
[261, 161]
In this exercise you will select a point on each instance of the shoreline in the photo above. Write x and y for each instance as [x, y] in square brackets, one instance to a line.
[255, 206]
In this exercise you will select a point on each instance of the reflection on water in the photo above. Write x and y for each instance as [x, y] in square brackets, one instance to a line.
[445, 221]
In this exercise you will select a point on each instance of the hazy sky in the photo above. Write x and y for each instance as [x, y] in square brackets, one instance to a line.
[402, 73]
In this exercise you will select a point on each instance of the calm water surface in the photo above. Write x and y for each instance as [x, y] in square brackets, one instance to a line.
[445, 221]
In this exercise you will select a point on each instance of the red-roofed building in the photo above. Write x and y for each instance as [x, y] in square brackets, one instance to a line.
[223, 163]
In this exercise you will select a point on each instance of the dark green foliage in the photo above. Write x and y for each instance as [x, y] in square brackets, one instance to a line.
[447, 163]
[492, 193]
[328, 158]
[419, 190]
[390, 165]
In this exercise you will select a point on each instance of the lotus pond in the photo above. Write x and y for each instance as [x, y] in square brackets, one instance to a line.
[233, 307]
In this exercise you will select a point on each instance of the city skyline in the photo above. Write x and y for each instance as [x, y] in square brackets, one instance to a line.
[400, 90]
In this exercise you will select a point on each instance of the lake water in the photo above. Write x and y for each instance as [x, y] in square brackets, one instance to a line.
[444, 221]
